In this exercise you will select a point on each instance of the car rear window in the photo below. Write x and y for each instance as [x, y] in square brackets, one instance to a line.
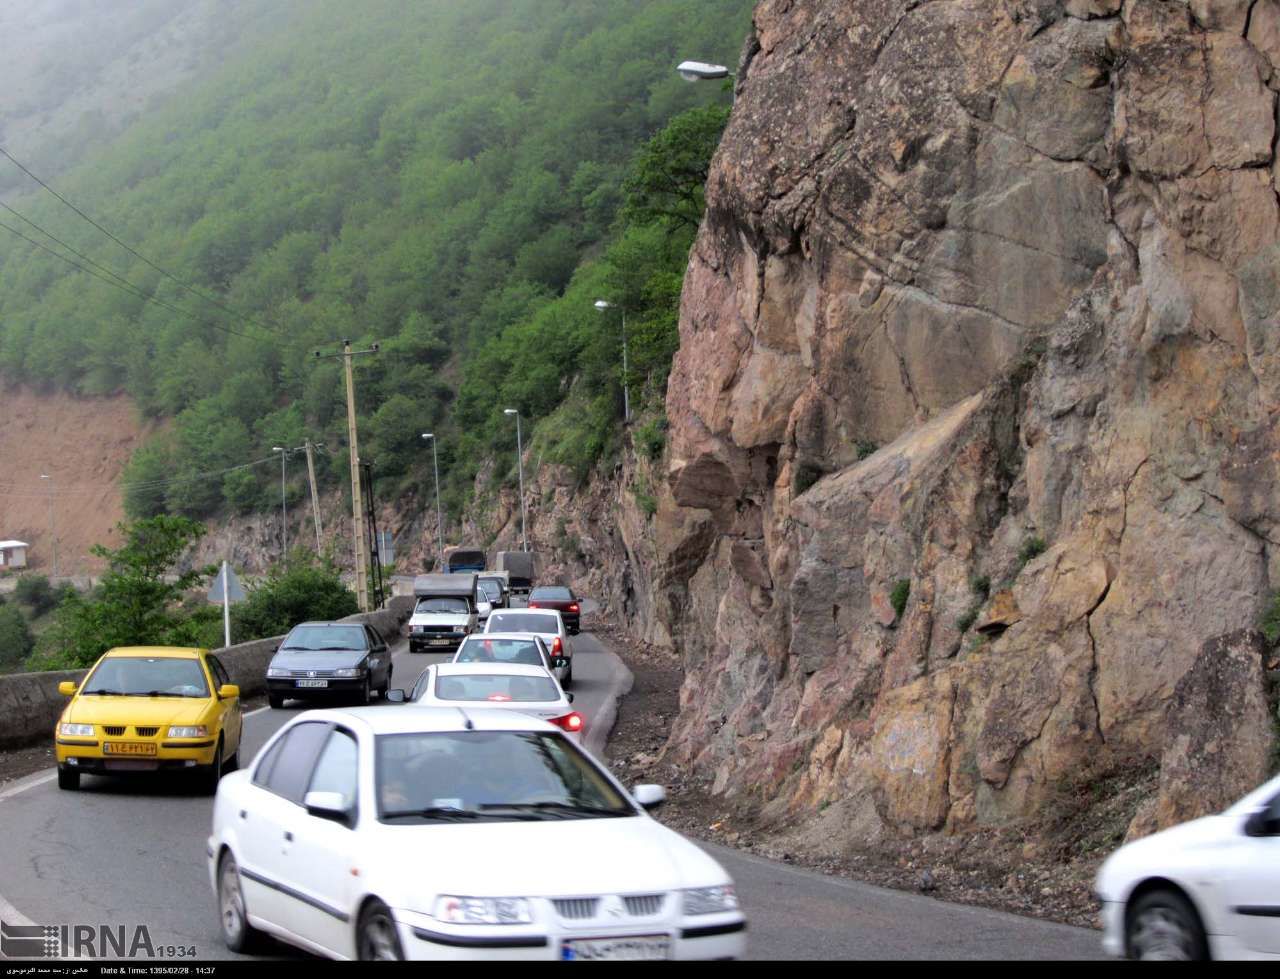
[313, 638]
[497, 688]
[477, 650]
[552, 594]
[524, 622]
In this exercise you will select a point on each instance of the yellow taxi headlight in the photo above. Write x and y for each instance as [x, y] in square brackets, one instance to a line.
[199, 731]
[76, 730]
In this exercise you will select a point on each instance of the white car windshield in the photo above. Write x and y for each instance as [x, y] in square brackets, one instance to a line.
[489, 775]
[452, 606]
[524, 622]
[477, 649]
[497, 688]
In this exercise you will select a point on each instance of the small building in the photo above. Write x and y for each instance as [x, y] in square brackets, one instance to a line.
[13, 554]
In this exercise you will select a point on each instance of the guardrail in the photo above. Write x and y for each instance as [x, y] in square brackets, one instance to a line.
[30, 703]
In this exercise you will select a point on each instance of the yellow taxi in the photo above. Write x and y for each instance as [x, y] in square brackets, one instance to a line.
[150, 709]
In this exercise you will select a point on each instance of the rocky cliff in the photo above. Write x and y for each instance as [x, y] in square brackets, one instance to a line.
[972, 486]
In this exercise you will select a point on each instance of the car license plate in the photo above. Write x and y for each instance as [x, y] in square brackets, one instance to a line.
[128, 748]
[635, 947]
[313, 683]
[439, 642]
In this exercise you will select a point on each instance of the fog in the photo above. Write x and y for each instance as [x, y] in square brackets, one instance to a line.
[76, 72]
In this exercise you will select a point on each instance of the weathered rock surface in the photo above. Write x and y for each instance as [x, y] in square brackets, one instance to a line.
[1030, 250]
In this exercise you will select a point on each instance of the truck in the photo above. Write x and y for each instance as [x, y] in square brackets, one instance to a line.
[445, 613]
[521, 568]
[464, 559]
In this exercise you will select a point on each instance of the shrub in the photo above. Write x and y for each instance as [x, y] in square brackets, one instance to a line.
[969, 617]
[15, 637]
[1269, 624]
[34, 591]
[865, 448]
[650, 438]
[898, 597]
[301, 588]
[806, 475]
[1031, 548]
[980, 585]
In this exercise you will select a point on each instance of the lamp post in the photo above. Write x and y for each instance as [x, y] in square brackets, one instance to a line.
[698, 71]
[435, 463]
[602, 305]
[53, 533]
[524, 540]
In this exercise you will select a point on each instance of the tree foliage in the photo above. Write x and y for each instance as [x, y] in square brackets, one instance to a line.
[300, 589]
[16, 642]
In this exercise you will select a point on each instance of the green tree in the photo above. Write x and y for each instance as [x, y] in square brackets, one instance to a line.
[137, 602]
[34, 591]
[668, 178]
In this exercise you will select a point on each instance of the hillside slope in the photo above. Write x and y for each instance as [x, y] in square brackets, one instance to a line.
[972, 495]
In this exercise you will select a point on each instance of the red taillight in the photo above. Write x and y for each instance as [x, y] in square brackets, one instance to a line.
[533, 605]
[569, 722]
[557, 647]
[501, 697]
[573, 608]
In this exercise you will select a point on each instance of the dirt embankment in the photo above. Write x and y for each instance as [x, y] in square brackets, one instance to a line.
[83, 444]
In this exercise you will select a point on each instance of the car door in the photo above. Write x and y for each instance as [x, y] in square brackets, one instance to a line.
[233, 713]
[321, 857]
[1254, 894]
[268, 818]
[379, 657]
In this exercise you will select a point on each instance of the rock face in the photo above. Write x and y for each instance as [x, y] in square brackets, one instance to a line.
[986, 302]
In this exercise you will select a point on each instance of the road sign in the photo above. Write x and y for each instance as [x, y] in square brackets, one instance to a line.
[386, 549]
[235, 592]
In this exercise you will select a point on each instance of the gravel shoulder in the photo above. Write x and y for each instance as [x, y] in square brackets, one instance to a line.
[1043, 870]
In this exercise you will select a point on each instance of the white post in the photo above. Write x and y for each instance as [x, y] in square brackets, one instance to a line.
[226, 607]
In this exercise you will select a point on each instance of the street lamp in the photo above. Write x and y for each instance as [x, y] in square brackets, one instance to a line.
[696, 71]
[524, 540]
[53, 533]
[602, 305]
[436, 465]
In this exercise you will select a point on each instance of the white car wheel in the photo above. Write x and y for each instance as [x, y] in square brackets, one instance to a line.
[1163, 927]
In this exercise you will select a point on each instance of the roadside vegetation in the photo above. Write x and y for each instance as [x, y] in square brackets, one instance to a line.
[458, 182]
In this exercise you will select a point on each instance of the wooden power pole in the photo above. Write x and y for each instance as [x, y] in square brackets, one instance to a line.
[315, 496]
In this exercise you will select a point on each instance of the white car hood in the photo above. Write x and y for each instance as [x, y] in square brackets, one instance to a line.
[550, 858]
[1164, 852]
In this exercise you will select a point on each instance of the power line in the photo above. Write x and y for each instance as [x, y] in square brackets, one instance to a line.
[140, 484]
[128, 287]
[136, 254]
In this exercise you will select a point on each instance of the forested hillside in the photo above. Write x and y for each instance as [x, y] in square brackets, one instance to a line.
[446, 179]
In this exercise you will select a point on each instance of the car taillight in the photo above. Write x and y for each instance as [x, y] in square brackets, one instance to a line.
[569, 722]
[557, 647]
[573, 608]
[533, 605]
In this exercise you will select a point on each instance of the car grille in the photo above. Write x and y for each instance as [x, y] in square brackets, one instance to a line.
[576, 907]
[643, 904]
[113, 731]
[446, 629]
[310, 673]
[146, 732]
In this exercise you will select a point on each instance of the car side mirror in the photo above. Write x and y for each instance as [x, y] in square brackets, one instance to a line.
[569, 697]
[327, 805]
[396, 697]
[228, 690]
[68, 688]
[1264, 822]
[649, 796]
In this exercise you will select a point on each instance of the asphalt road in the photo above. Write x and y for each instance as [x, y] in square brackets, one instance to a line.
[132, 852]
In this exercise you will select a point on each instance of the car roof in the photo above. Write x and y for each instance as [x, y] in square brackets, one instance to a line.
[413, 718]
[527, 611]
[500, 669]
[157, 652]
[347, 625]
[486, 636]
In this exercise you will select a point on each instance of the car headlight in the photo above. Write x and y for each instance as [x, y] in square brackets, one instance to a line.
[198, 731]
[482, 910]
[709, 900]
[355, 671]
[76, 730]
[276, 671]
[417, 628]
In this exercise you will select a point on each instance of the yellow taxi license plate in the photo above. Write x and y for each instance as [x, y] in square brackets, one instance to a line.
[128, 748]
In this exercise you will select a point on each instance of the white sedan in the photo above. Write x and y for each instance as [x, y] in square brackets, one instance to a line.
[1209, 888]
[510, 647]
[544, 622]
[385, 834]
[498, 686]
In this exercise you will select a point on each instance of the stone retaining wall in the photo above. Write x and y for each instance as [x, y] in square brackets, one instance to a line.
[30, 703]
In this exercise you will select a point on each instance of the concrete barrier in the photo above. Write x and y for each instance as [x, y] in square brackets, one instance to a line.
[30, 703]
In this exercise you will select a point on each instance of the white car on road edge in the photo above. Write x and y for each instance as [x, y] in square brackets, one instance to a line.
[373, 833]
[1209, 888]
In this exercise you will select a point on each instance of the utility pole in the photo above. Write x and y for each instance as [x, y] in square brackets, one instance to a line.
[357, 504]
[284, 511]
[524, 539]
[435, 463]
[53, 533]
[315, 496]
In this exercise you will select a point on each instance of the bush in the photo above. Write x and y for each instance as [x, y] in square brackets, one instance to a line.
[969, 617]
[898, 597]
[34, 591]
[865, 449]
[300, 589]
[806, 475]
[1031, 548]
[16, 642]
[651, 439]
[980, 585]
[1269, 624]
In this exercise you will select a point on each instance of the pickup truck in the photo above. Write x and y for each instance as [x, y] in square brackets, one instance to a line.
[446, 612]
